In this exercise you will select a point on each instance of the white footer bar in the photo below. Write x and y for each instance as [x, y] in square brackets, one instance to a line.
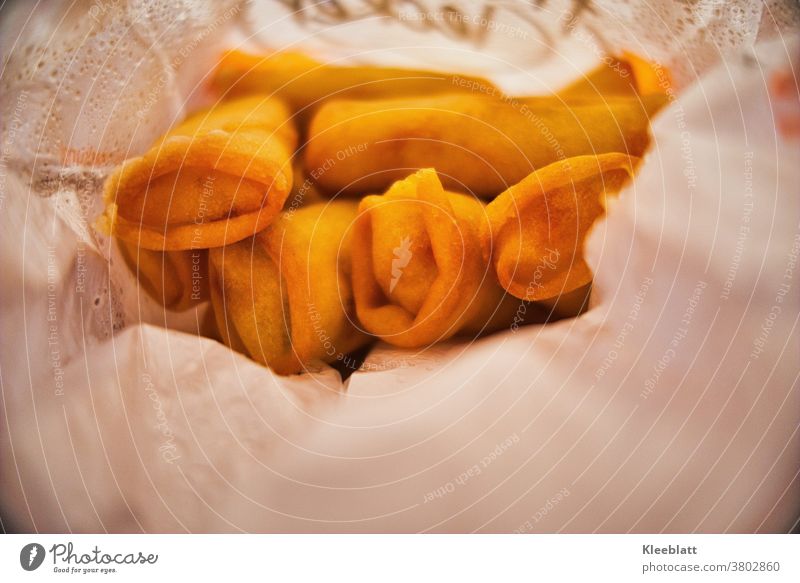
[355, 558]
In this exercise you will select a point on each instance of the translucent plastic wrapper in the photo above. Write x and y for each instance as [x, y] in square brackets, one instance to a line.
[671, 405]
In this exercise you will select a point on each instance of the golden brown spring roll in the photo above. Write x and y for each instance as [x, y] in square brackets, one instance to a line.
[651, 77]
[284, 296]
[612, 78]
[418, 273]
[628, 75]
[304, 82]
[477, 144]
[537, 228]
[219, 177]
[177, 280]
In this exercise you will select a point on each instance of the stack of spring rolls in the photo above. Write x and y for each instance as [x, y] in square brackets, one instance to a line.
[321, 207]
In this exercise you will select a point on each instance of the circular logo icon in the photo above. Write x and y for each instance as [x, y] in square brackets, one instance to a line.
[31, 556]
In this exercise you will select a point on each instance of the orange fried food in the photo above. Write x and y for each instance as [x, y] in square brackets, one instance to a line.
[478, 144]
[537, 228]
[284, 296]
[612, 78]
[175, 279]
[418, 273]
[219, 177]
[629, 75]
[304, 82]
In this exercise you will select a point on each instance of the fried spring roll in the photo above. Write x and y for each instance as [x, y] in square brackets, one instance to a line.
[477, 144]
[612, 78]
[284, 296]
[628, 75]
[305, 82]
[219, 177]
[418, 273]
[176, 279]
[651, 77]
[537, 227]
